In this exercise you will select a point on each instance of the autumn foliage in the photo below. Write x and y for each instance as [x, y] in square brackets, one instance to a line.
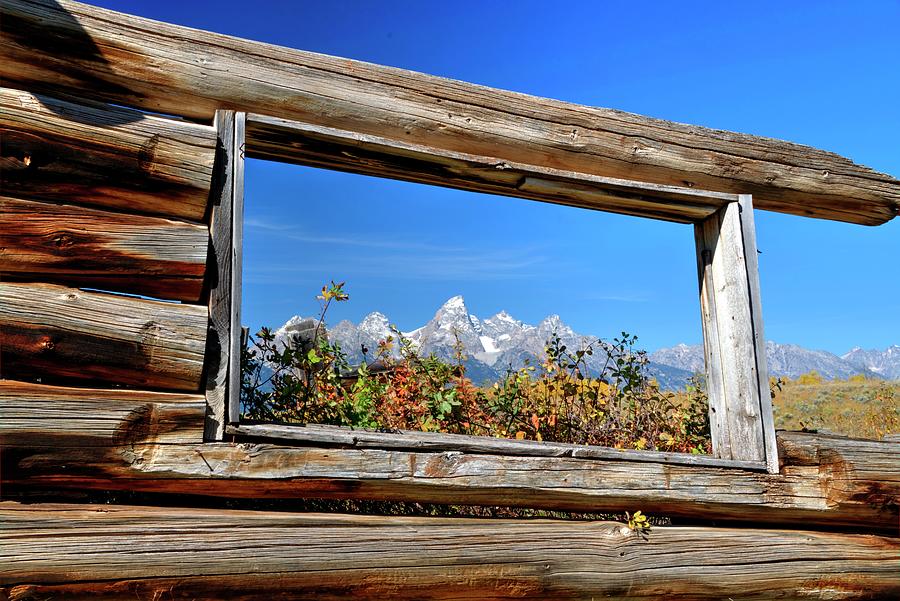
[552, 401]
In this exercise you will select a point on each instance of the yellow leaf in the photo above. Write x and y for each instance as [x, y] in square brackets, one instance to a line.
[520, 435]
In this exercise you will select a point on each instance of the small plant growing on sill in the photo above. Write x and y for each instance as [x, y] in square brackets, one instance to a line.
[639, 524]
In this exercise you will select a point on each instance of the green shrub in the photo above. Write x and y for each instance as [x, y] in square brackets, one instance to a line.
[554, 401]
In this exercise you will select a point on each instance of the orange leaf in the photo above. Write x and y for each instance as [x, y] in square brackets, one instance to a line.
[520, 435]
[535, 421]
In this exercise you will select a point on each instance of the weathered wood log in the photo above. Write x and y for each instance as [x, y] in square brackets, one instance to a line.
[57, 333]
[92, 248]
[53, 46]
[30, 412]
[96, 154]
[825, 481]
[226, 227]
[77, 551]
[301, 143]
[413, 440]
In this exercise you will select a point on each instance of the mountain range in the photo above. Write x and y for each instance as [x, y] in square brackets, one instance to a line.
[497, 343]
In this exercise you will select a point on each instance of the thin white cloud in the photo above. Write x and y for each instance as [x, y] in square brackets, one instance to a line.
[482, 265]
[291, 232]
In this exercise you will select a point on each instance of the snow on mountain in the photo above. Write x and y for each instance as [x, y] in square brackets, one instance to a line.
[682, 356]
[502, 342]
[885, 363]
[791, 360]
[451, 323]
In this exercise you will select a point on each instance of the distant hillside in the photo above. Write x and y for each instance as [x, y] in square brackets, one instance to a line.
[885, 363]
[790, 360]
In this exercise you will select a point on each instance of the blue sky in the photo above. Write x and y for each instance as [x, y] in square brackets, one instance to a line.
[820, 73]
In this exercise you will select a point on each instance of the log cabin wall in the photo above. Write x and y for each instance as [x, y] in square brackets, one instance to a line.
[104, 247]
[114, 225]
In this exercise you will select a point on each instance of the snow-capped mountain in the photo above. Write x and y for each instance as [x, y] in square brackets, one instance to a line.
[452, 322]
[684, 356]
[885, 363]
[791, 360]
[491, 345]
[501, 342]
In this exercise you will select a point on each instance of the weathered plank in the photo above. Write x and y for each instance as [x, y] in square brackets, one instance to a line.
[57, 333]
[302, 143]
[414, 440]
[237, 261]
[748, 232]
[715, 385]
[96, 154]
[74, 551]
[35, 414]
[222, 302]
[729, 343]
[825, 481]
[60, 45]
[91, 248]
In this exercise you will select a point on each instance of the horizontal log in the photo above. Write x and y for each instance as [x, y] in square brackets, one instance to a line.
[77, 551]
[91, 248]
[413, 440]
[301, 143]
[63, 46]
[825, 481]
[33, 414]
[96, 154]
[57, 333]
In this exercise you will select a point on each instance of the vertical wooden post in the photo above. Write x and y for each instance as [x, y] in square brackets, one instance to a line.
[237, 268]
[748, 229]
[737, 380]
[226, 233]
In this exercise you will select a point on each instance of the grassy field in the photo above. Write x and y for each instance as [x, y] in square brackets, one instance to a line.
[856, 407]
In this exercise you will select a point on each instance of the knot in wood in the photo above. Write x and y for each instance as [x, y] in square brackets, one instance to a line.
[147, 154]
[63, 240]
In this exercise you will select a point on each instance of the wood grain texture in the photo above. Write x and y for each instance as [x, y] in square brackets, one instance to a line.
[233, 390]
[33, 414]
[728, 338]
[748, 231]
[305, 144]
[100, 551]
[58, 333]
[413, 440]
[92, 248]
[825, 481]
[74, 48]
[218, 340]
[96, 154]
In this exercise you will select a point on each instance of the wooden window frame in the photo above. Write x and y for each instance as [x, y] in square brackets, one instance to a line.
[741, 420]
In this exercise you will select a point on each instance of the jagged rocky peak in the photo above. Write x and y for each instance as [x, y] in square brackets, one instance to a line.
[503, 327]
[450, 322]
[553, 324]
[375, 323]
[502, 341]
[293, 323]
[454, 307]
[885, 363]
[504, 317]
[689, 357]
[792, 360]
